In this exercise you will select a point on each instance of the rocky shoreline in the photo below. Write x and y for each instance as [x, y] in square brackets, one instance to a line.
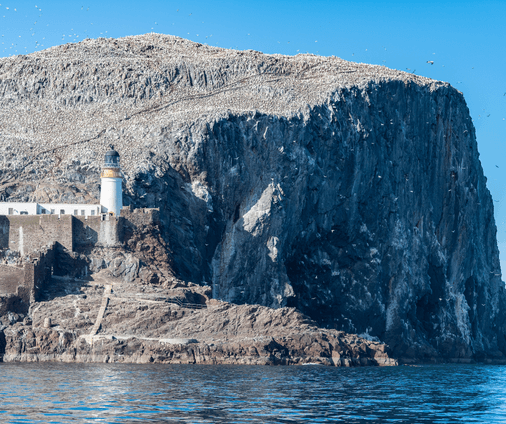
[175, 324]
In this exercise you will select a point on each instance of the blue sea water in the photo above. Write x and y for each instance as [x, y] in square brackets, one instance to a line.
[120, 393]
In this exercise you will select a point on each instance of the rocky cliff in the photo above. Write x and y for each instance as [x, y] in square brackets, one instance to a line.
[352, 192]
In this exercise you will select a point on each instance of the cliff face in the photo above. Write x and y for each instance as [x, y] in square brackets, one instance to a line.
[352, 192]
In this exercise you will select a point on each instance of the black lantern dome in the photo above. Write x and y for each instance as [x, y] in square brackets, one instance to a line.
[111, 159]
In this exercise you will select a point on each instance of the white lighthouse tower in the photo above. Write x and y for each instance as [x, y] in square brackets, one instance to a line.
[111, 193]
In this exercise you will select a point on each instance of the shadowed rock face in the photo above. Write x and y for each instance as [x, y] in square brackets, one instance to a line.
[353, 192]
[370, 216]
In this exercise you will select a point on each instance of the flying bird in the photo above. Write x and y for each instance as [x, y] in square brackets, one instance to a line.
[430, 62]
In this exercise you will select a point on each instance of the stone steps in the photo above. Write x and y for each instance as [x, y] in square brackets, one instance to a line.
[101, 311]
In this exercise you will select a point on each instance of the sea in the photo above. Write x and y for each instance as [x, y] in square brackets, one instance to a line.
[126, 393]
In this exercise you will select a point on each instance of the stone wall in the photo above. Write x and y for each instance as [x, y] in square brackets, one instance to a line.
[103, 230]
[38, 271]
[28, 233]
[135, 220]
[85, 232]
[51, 244]
[110, 234]
[4, 232]
[28, 280]
[11, 277]
[141, 217]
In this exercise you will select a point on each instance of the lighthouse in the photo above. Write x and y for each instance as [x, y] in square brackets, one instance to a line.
[111, 193]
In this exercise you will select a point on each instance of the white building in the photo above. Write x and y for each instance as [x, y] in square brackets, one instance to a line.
[111, 196]
[22, 208]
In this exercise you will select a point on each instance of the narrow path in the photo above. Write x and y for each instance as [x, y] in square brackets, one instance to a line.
[101, 312]
[174, 300]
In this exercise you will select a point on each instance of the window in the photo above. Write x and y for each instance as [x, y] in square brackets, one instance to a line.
[43, 211]
[23, 213]
[52, 211]
[11, 211]
[76, 212]
[62, 211]
[92, 213]
[82, 212]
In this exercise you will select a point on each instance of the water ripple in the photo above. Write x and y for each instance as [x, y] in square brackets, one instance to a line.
[120, 393]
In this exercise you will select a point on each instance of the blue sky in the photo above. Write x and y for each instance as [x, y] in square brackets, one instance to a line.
[465, 39]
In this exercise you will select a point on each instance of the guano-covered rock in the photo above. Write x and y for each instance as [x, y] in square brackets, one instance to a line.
[352, 192]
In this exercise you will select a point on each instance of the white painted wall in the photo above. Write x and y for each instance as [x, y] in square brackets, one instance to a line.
[69, 209]
[111, 195]
[39, 208]
[18, 207]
